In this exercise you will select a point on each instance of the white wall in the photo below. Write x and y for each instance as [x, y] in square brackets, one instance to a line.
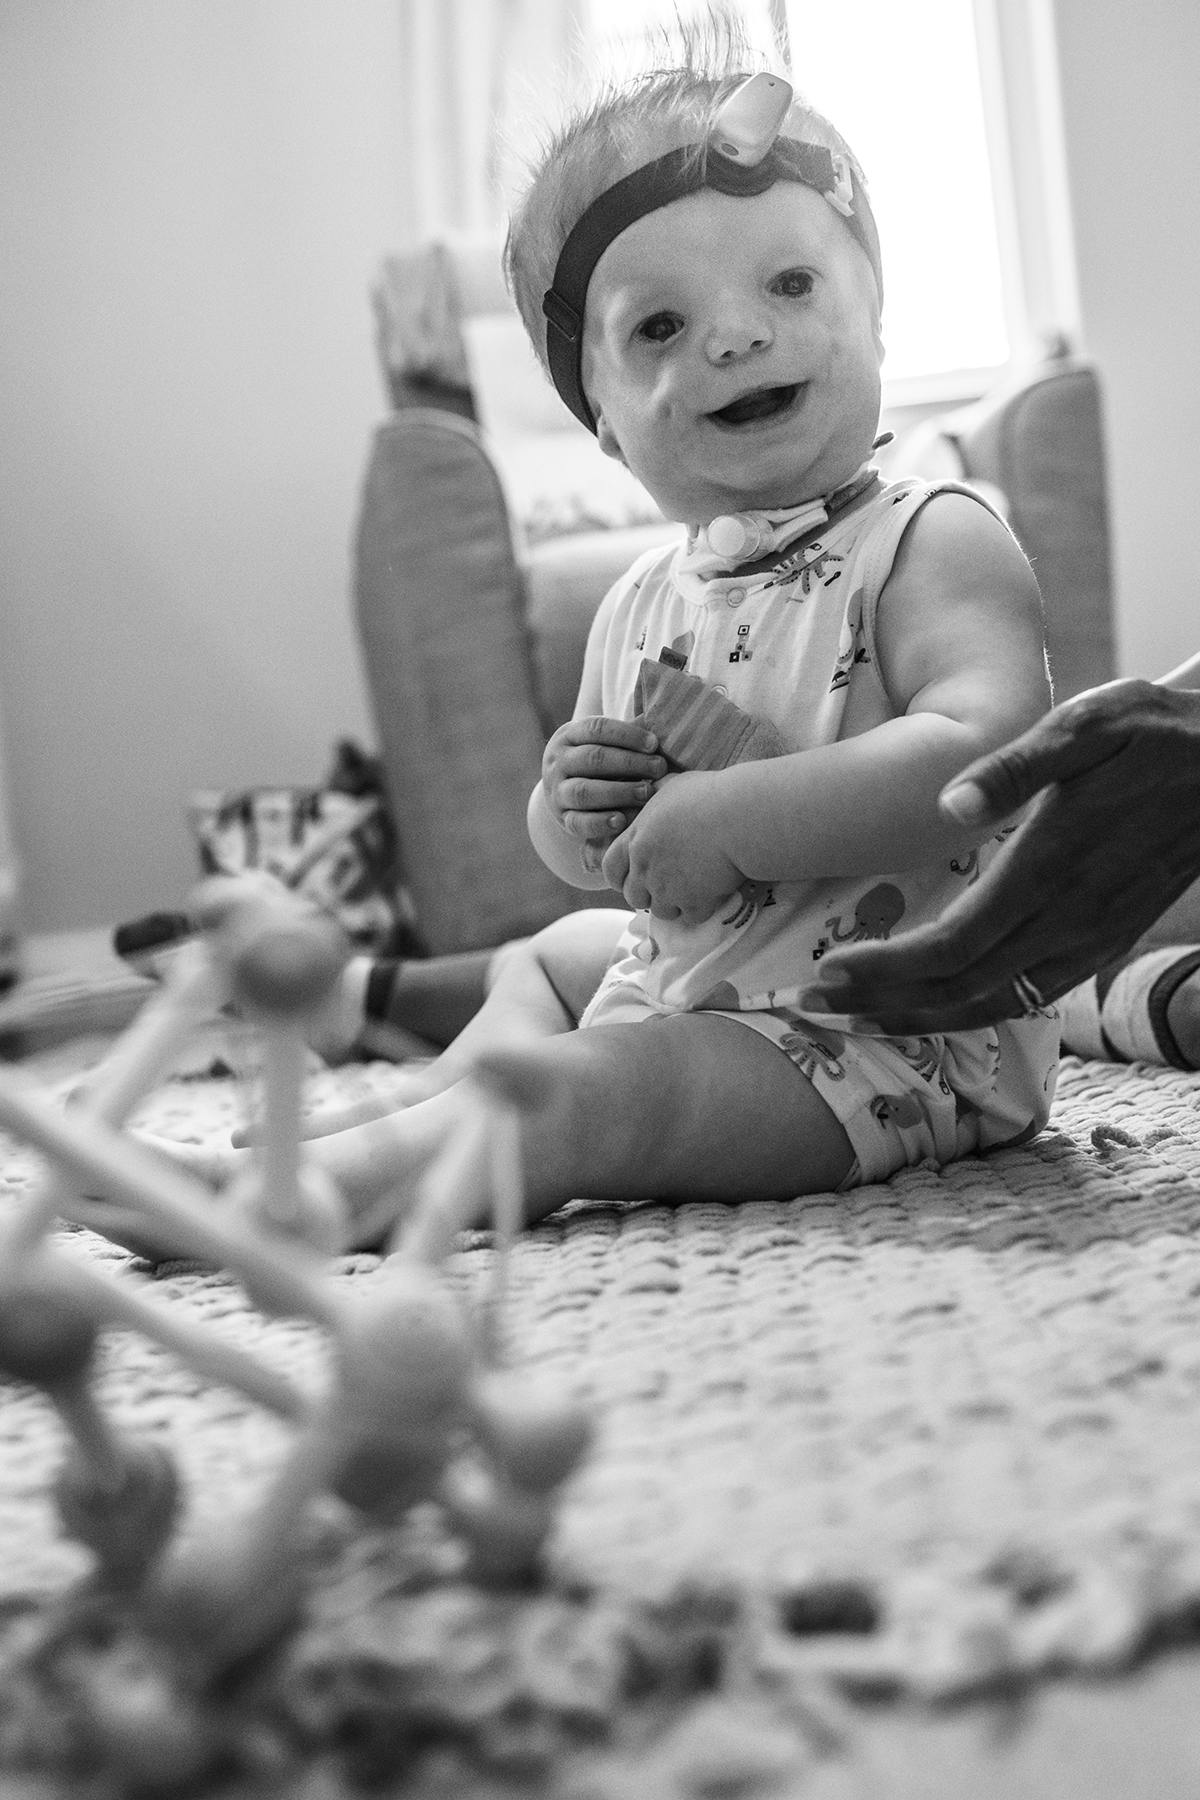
[193, 201]
[1129, 75]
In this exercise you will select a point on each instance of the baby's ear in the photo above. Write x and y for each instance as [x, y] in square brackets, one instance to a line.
[606, 437]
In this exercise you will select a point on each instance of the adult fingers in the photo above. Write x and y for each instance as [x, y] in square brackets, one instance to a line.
[917, 983]
[1072, 739]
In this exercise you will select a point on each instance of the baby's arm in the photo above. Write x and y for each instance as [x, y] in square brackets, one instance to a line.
[596, 774]
[960, 648]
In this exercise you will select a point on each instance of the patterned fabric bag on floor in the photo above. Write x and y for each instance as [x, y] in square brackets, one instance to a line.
[335, 844]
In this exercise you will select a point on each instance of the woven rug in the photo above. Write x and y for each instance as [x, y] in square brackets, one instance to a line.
[936, 1433]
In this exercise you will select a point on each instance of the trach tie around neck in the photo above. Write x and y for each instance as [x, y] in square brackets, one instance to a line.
[742, 155]
[721, 547]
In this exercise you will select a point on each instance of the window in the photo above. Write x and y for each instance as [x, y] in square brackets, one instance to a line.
[904, 86]
[926, 93]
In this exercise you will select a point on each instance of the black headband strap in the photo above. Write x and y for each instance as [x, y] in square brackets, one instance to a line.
[657, 184]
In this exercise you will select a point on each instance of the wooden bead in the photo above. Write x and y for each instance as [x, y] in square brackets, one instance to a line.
[282, 961]
[221, 898]
[210, 1602]
[147, 1735]
[127, 1525]
[536, 1436]
[405, 1356]
[504, 1527]
[405, 1367]
[47, 1331]
[385, 1480]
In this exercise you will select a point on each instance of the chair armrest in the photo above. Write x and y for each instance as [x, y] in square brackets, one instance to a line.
[440, 610]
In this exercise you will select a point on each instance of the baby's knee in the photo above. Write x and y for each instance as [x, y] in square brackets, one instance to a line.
[572, 953]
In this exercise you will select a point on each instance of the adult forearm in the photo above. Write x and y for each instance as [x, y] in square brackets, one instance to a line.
[854, 807]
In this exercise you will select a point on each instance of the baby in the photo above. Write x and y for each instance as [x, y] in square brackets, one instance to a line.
[767, 711]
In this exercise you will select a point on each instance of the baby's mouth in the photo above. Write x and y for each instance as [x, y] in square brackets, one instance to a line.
[761, 403]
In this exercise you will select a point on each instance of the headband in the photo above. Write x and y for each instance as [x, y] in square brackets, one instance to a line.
[656, 184]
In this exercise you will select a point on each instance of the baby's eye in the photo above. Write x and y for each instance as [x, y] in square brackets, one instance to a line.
[794, 283]
[659, 327]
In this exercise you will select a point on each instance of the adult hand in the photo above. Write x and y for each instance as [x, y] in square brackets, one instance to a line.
[666, 862]
[1112, 840]
[597, 773]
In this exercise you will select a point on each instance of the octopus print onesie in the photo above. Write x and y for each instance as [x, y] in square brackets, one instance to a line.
[729, 666]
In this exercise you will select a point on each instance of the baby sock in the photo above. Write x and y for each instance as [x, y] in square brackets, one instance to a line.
[335, 1032]
[357, 1019]
[1147, 1010]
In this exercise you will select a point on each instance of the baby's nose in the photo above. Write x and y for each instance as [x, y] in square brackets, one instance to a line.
[736, 331]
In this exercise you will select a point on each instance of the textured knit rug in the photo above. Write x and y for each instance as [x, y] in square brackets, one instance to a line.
[924, 1437]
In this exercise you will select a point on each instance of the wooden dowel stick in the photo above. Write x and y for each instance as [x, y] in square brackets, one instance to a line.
[93, 1154]
[102, 1447]
[131, 1068]
[448, 1193]
[192, 989]
[508, 1211]
[123, 1301]
[284, 1057]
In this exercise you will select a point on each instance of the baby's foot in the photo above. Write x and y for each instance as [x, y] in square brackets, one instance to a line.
[1145, 1010]
[371, 1204]
[215, 1164]
[324, 1121]
[139, 1229]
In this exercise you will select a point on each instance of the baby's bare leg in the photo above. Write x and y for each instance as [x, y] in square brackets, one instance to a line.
[536, 987]
[694, 1106]
[691, 1106]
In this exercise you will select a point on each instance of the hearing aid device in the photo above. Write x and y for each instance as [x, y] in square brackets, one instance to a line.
[748, 123]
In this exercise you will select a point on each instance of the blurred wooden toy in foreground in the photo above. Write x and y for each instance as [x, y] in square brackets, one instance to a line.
[415, 1405]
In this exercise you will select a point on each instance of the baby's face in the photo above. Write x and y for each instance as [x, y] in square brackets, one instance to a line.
[731, 351]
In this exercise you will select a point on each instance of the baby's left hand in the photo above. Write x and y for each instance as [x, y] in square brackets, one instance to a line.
[667, 860]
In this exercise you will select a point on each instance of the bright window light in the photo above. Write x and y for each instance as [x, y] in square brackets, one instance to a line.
[902, 83]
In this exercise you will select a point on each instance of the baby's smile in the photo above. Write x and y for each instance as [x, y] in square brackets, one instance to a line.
[760, 403]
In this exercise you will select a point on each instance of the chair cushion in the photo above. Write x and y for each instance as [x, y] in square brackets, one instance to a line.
[565, 581]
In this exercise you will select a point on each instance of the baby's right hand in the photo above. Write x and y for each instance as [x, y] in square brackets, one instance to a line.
[597, 773]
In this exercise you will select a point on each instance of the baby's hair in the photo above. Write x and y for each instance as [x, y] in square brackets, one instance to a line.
[625, 125]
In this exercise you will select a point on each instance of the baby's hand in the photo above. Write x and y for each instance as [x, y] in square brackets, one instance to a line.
[597, 774]
[666, 860]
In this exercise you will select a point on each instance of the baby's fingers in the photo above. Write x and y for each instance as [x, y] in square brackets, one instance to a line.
[595, 828]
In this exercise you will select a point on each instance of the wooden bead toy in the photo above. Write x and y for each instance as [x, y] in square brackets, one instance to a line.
[504, 1527]
[282, 960]
[47, 1329]
[538, 1437]
[280, 956]
[117, 1497]
[405, 1369]
[126, 1522]
[412, 1409]
[215, 1602]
